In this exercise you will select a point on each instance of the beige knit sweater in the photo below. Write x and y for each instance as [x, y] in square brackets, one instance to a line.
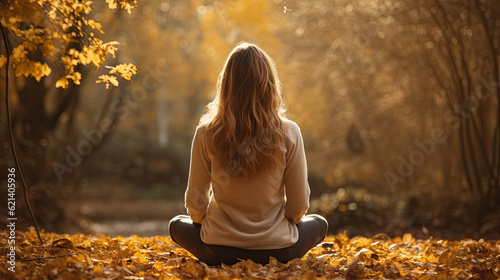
[258, 212]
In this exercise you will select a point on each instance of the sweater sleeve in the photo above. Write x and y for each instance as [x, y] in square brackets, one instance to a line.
[197, 196]
[295, 178]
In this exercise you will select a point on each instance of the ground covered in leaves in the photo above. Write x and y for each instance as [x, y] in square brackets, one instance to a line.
[93, 256]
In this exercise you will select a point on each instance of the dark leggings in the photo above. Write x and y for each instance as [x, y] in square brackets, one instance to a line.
[312, 230]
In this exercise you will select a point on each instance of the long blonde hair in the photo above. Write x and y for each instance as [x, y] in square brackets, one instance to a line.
[245, 121]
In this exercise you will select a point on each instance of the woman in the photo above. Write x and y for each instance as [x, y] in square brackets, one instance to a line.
[247, 190]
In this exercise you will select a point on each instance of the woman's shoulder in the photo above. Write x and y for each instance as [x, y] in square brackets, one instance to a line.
[291, 126]
[200, 131]
[292, 130]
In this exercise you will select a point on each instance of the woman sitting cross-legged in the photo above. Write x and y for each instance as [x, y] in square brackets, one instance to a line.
[247, 192]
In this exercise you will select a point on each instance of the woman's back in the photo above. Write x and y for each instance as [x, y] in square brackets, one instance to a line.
[250, 212]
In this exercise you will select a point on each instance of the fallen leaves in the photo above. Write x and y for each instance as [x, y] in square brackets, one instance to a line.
[82, 256]
[62, 243]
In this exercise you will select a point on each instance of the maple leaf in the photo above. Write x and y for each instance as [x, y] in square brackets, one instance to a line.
[62, 83]
[39, 70]
[107, 79]
[125, 70]
[23, 68]
[76, 77]
[18, 53]
[112, 4]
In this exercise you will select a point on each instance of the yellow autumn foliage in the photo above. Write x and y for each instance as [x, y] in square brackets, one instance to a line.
[83, 256]
[55, 29]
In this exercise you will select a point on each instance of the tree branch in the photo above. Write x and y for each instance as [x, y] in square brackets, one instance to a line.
[11, 136]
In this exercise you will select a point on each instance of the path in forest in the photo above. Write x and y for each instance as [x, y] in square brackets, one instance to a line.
[123, 217]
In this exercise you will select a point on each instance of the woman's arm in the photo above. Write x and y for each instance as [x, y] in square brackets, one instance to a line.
[295, 178]
[197, 194]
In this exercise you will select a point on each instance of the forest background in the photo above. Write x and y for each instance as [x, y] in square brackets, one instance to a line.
[398, 102]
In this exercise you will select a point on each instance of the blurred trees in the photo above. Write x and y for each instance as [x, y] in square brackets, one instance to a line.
[462, 56]
[399, 98]
[355, 76]
[387, 77]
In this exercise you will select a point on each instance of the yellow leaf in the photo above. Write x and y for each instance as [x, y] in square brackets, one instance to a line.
[76, 77]
[94, 56]
[157, 265]
[80, 258]
[52, 14]
[38, 70]
[62, 83]
[125, 70]
[107, 79]
[124, 4]
[95, 25]
[112, 4]
[23, 68]
[98, 270]
[407, 238]
[140, 258]
[19, 52]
